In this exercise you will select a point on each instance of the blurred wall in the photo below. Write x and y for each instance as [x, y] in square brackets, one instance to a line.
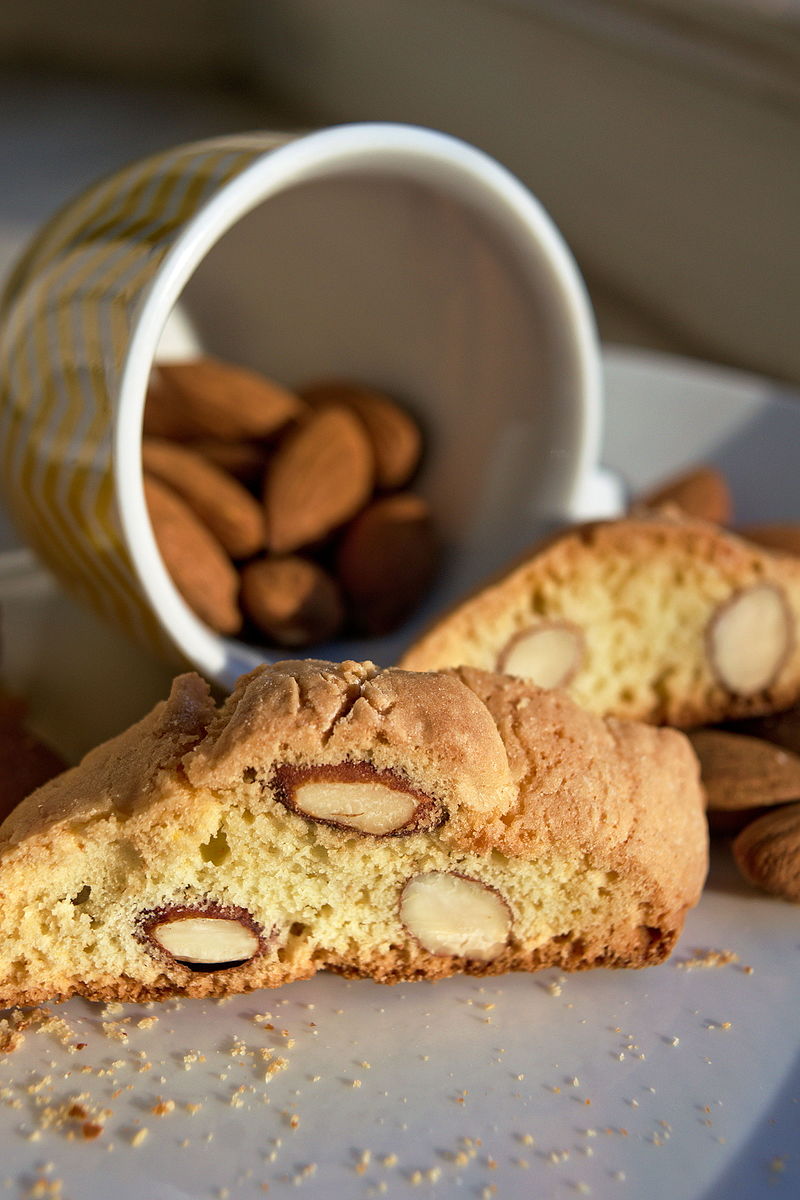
[663, 136]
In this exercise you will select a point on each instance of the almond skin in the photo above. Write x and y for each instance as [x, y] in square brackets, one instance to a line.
[783, 538]
[219, 936]
[395, 436]
[356, 796]
[742, 775]
[292, 600]
[781, 729]
[208, 398]
[768, 852]
[200, 568]
[701, 492]
[386, 561]
[234, 516]
[319, 478]
[25, 762]
[245, 461]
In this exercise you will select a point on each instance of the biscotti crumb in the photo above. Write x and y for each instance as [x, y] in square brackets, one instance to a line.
[115, 1030]
[707, 958]
[140, 1136]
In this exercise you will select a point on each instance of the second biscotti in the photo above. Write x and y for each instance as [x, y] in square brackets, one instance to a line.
[659, 618]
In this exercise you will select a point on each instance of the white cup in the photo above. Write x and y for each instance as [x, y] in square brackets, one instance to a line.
[393, 255]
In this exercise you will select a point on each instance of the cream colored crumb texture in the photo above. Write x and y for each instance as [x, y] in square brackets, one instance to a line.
[654, 618]
[380, 823]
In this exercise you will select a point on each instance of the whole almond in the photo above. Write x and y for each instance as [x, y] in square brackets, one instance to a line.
[741, 774]
[319, 477]
[207, 398]
[292, 600]
[395, 436]
[234, 516]
[784, 538]
[25, 761]
[781, 729]
[245, 461]
[767, 852]
[700, 492]
[386, 560]
[197, 563]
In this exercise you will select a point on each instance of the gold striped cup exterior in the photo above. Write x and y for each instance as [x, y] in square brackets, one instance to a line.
[486, 314]
[65, 330]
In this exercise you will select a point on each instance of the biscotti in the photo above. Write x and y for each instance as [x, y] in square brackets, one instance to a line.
[384, 824]
[658, 618]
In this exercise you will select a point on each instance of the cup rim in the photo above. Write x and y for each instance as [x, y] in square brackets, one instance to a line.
[469, 175]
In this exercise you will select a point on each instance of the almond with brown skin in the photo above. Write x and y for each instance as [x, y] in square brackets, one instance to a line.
[781, 729]
[292, 600]
[25, 761]
[232, 514]
[319, 478]
[700, 492]
[245, 461]
[768, 852]
[783, 538]
[549, 653]
[749, 639]
[451, 914]
[197, 563]
[208, 398]
[395, 436]
[357, 796]
[386, 561]
[742, 774]
[205, 936]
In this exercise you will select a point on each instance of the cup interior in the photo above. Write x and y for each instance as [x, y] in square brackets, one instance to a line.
[438, 280]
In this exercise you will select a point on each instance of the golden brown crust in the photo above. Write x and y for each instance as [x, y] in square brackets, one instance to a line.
[644, 589]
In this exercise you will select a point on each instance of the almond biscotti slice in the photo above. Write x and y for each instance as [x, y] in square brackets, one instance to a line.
[658, 618]
[380, 823]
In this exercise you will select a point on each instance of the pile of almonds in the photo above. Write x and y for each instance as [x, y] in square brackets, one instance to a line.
[26, 762]
[282, 515]
[750, 768]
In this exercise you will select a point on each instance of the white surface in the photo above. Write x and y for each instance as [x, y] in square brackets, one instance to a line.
[693, 1075]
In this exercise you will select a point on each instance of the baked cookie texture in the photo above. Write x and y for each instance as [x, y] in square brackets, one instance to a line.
[658, 618]
[384, 824]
